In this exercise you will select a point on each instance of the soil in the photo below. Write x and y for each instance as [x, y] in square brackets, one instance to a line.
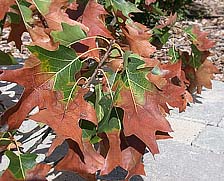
[210, 20]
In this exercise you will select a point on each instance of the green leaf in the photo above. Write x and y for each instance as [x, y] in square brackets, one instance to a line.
[164, 38]
[26, 14]
[14, 18]
[63, 63]
[69, 35]
[195, 58]
[189, 32]
[110, 120]
[88, 134]
[20, 163]
[7, 59]
[125, 7]
[98, 108]
[95, 139]
[42, 6]
[173, 54]
[135, 77]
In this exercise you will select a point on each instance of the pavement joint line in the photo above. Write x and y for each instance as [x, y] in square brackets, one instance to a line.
[179, 117]
[197, 136]
[205, 149]
[222, 118]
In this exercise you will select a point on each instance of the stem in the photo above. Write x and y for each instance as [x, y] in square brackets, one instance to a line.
[100, 63]
[20, 160]
[5, 139]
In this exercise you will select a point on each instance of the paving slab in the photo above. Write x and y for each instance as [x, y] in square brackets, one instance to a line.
[181, 162]
[206, 113]
[208, 107]
[221, 123]
[185, 131]
[211, 138]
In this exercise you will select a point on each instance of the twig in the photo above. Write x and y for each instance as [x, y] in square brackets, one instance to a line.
[100, 64]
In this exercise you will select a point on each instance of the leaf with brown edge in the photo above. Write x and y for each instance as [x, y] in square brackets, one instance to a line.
[174, 91]
[202, 42]
[133, 150]
[66, 122]
[114, 155]
[146, 114]
[49, 20]
[5, 6]
[140, 101]
[38, 173]
[41, 38]
[138, 39]
[57, 15]
[29, 78]
[204, 75]
[132, 161]
[57, 141]
[85, 164]
[95, 25]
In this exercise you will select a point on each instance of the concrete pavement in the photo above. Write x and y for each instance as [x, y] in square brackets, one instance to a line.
[196, 152]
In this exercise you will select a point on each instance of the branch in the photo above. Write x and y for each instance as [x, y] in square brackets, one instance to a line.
[100, 64]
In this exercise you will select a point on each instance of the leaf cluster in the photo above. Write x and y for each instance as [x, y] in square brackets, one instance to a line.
[93, 77]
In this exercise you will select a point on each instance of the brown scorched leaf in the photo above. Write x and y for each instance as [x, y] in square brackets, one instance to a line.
[66, 124]
[49, 21]
[92, 19]
[4, 6]
[169, 21]
[138, 39]
[91, 162]
[29, 78]
[174, 92]
[114, 155]
[37, 173]
[202, 42]
[147, 115]
[132, 161]
[204, 75]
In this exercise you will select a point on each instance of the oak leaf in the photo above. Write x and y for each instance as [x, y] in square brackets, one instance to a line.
[40, 37]
[114, 155]
[5, 6]
[29, 78]
[95, 25]
[201, 41]
[91, 162]
[37, 173]
[140, 101]
[146, 114]
[53, 14]
[66, 122]
[204, 75]
[138, 39]
[132, 161]
[169, 21]
[174, 92]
